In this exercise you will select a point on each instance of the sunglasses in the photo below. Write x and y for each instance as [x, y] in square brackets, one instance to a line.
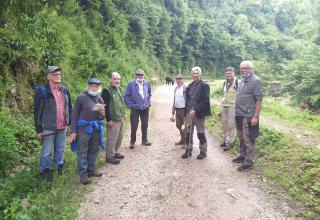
[139, 74]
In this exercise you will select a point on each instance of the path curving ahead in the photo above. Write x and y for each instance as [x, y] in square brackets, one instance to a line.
[155, 183]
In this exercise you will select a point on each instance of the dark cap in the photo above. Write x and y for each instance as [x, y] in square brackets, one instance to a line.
[179, 76]
[52, 69]
[94, 80]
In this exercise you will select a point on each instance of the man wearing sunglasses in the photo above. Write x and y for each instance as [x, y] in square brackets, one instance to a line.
[138, 98]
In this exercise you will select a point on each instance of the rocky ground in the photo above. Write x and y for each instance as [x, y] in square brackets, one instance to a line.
[155, 183]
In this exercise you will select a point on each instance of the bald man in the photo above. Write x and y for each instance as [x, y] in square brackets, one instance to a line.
[115, 115]
[248, 106]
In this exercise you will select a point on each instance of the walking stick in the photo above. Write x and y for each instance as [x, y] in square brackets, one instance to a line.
[190, 135]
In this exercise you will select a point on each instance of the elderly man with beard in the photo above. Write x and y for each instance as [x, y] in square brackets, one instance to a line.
[138, 98]
[115, 115]
[248, 106]
[87, 129]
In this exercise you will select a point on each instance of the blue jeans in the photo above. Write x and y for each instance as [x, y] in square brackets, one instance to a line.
[55, 140]
[88, 149]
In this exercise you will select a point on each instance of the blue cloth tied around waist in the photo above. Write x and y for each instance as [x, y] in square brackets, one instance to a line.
[90, 126]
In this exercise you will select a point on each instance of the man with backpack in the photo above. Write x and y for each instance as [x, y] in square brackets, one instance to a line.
[52, 111]
[227, 113]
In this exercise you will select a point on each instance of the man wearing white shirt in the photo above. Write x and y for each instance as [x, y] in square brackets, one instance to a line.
[178, 107]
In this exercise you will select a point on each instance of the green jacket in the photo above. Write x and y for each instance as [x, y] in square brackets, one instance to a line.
[115, 107]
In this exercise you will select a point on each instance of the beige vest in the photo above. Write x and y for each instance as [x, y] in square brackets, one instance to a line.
[229, 97]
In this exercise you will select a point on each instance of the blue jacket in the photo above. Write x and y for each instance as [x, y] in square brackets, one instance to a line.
[133, 99]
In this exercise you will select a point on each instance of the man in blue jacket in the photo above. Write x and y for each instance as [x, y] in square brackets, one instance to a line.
[137, 97]
[52, 115]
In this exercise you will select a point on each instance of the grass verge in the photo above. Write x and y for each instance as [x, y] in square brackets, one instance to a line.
[22, 194]
[290, 166]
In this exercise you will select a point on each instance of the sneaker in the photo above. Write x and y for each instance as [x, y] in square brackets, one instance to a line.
[113, 161]
[119, 156]
[94, 174]
[146, 143]
[202, 155]
[85, 180]
[187, 153]
[238, 159]
[245, 167]
[131, 146]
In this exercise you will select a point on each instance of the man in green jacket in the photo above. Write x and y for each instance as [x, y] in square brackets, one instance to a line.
[115, 115]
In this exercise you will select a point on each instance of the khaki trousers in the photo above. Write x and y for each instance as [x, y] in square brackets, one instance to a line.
[228, 124]
[114, 138]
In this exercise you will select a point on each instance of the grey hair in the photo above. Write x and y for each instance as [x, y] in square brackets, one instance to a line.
[114, 73]
[247, 62]
[196, 68]
[139, 71]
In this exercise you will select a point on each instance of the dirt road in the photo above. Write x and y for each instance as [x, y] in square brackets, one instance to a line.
[155, 183]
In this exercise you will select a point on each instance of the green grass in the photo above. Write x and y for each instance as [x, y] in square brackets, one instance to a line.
[291, 167]
[22, 194]
[290, 115]
[273, 108]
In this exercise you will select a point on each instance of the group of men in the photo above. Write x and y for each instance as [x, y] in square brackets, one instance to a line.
[240, 110]
[53, 113]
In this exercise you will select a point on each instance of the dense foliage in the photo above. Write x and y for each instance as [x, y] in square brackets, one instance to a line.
[95, 37]
[89, 37]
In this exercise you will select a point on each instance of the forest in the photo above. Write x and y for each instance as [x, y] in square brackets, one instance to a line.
[163, 37]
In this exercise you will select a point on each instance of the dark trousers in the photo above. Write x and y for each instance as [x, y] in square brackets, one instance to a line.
[88, 149]
[180, 122]
[134, 121]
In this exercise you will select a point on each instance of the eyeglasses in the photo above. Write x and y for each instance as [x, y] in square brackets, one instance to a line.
[139, 74]
[55, 74]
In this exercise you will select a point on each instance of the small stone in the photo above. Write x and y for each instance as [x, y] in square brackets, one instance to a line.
[24, 203]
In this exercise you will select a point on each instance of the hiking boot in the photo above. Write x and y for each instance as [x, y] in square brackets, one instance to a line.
[113, 161]
[179, 143]
[131, 146]
[85, 180]
[223, 144]
[202, 155]
[187, 153]
[60, 169]
[146, 143]
[238, 159]
[119, 156]
[226, 147]
[245, 167]
[94, 174]
[46, 175]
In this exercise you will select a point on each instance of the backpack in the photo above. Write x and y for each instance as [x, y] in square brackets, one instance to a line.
[43, 90]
